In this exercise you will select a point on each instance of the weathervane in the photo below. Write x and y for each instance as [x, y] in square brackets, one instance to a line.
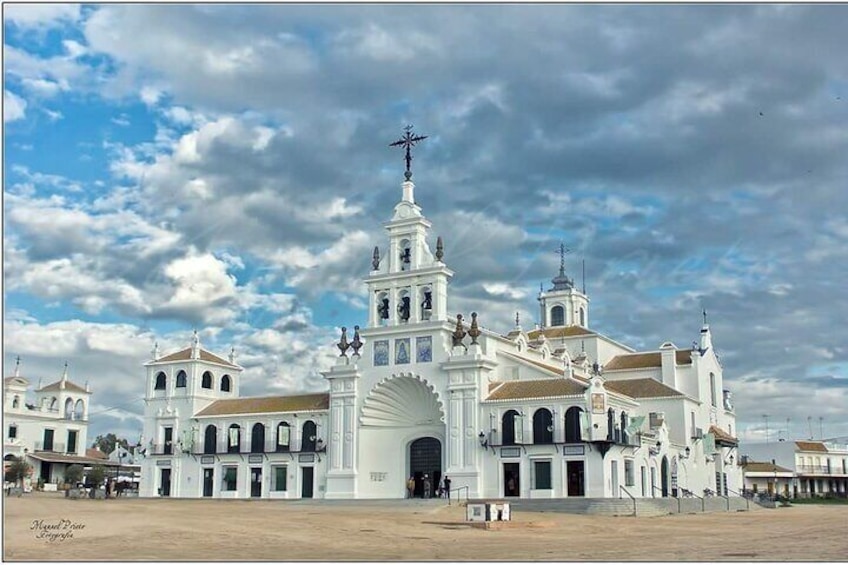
[408, 141]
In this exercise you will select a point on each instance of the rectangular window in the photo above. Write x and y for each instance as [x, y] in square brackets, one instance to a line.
[280, 474]
[692, 418]
[48, 440]
[13, 432]
[168, 445]
[541, 475]
[713, 389]
[629, 474]
[230, 474]
[72, 441]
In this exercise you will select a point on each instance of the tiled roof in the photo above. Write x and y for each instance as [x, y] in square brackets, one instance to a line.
[266, 404]
[94, 453]
[73, 387]
[20, 381]
[642, 388]
[722, 435]
[544, 388]
[757, 467]
[811, 446]
[51, 457]
[545, 366]
[646, 360]
[559, 332]
[185, 355]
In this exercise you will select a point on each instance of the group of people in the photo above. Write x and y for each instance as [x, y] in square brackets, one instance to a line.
[442, 489]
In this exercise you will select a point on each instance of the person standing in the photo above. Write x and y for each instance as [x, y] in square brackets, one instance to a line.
[447, 482]
[427, 486]
[410, 486]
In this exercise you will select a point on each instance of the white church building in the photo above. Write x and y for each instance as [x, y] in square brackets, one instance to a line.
[558, 411]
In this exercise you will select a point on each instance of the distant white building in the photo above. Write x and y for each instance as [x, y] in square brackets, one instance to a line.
[559, 411]
[51, 430]
[819, 468]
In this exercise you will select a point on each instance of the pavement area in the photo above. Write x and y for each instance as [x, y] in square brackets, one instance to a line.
[49, 527]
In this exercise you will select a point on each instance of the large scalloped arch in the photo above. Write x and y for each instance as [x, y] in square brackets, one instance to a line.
[402, 400]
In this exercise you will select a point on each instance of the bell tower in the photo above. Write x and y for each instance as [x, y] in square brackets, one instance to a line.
[408, 282]
[563, 304]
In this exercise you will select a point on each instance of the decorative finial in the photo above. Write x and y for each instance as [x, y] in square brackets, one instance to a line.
[356, 344]
[18, 366]
[375, 259]
[65, 372]
[343, 345]
[459, 332]
[541, 287]
[408, 141]
[233, 354]
[562, 252]
[705, 316]
[440, 249]
[474, 330]
[155, 351]
[517, 320]
[39, 384]
[195, 346]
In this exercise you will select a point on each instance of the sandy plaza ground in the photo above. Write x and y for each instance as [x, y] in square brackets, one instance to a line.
[48, 527]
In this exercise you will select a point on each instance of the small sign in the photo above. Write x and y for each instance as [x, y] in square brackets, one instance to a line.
[163, 463]
[378, 477]
[573, 450]
[598, 403]
[306, 457]
[510, 452]
[207, 459]
[254, 459]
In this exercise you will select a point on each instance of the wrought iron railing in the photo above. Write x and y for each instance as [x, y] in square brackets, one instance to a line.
[50, 446]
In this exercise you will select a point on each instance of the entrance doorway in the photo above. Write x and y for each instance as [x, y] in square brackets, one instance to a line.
[45, 471]
[165, 489]
[256, 482]
[306, 482]
[425, 466]
[512, 479]
[208, 481]
[575, 476]
[664, 476]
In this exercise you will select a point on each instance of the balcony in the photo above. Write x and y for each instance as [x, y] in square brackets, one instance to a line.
[818, 470]
[52, 447]
[222, 448]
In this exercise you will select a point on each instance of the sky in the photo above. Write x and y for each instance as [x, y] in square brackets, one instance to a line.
[227, 168]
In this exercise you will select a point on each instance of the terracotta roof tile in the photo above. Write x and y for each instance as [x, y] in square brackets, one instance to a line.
[73, 387]
[646, 360]
[94, 453]
[559, 332]
[185, 355]
[722, 435]
[545, 366]
[544, 388]
[642, 388]
[811, 446]
[265, 404]
[757, 467]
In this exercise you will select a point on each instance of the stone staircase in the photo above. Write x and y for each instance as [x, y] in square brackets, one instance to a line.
[625, 506]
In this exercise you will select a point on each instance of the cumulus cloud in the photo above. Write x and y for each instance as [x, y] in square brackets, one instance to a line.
[14, 107]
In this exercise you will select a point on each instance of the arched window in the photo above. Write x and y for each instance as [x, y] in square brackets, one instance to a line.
[573, 433]
[426, 303]
[283, 436]
[508, 425]
[713, 389]
[16, 402]
[161, 382]
[69, 408]
[543, 426]
[79, 410]
[54, 404]
[310, 434]
[404, 306]
[206, 380]
[234, 439]
[557, 316]
[210, 440]
[225, 383]
[383, 308]
[181, 379]
[405, 255]
[257, 439]
[583, 317]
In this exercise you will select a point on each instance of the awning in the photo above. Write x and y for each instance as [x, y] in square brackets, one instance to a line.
[50, 457]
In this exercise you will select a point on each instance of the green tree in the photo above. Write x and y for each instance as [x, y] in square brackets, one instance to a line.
[107, 443]
[73, 474]
[18, 470]
[97, 475]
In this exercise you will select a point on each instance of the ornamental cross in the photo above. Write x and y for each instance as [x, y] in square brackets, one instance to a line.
[408, 141]
[563, 251]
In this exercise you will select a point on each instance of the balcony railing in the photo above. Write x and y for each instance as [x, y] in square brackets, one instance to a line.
[53, 447]
[222, 448]
[820, 470]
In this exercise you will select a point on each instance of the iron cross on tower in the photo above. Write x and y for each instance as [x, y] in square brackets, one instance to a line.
[563, 251]
[408, 141]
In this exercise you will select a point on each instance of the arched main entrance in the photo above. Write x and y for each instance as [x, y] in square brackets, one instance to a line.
[425, 465]
[664, 476]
